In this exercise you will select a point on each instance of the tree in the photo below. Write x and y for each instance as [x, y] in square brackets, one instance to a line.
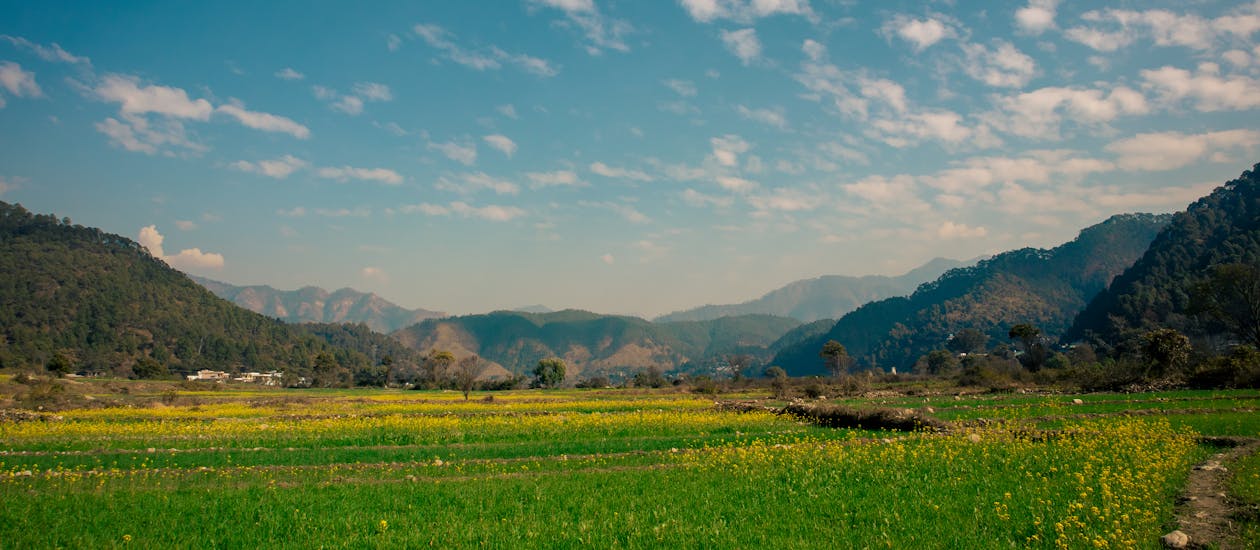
[328, 373]
[60, 365]
[1231, 297]
[968, 340]
[774, 372]
[465, 374]
[549, 373]
[940, 362]
[836, 357]
[388, 363]
[651, 377]
[433, 368]
[1167, 350]
[737, 364]
[147, 367]
[1029, 338]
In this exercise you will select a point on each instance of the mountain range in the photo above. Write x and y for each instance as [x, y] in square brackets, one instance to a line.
[826, 297]
[594, 344]
[312, 304]
[1045, 288]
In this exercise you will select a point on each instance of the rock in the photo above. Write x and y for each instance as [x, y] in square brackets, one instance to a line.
[1211, 466]
[974, 438]
[929, 410]
[438, 462]
[1175, 539]
[1078, 402]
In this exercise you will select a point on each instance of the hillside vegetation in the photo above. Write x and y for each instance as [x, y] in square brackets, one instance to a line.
[95, 302]
[1045, 288]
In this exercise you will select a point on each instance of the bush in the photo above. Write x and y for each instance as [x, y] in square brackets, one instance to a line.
[1240, 368]
[594, 382]
[704, 384]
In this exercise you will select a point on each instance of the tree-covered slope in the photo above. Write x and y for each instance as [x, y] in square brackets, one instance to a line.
[592, 343]
[103, 302]
[316, 305]
[1221, 228]
[826, 297]
[1043, 287]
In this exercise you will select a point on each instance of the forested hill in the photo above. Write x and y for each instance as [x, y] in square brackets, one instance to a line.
[594, 344]
[1043, 287]
[826, 297]
[1159, 289]
[316, 305]
[104, 304]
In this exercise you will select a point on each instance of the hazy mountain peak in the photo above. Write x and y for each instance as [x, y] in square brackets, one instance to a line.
[312, 304]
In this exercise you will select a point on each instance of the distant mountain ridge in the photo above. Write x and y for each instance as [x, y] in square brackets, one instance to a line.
[594, 344]
[826, 297]
[1043, 287]
[312, 304]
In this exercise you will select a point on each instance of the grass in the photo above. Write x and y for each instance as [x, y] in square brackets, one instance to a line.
[568, 468]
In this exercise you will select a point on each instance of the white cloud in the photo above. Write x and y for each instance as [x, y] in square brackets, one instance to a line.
[558, 178]
[264, 121]
[347, 173]
[373, 91]
[951, 230]
[192, 259]
[699, 200]
[185, 225]
[136, 133]
[744, 44]
[1003, 66]
[162, 100]
[943, 125]
[507, 110]
[685, 88]
[491, 212]
[1037, 17]
[1172, 150]
[289, 73]
[8, 184]
[359, 212]
[607, 171]
[745, 11]
[278, 168]
[1040, 113]
[601, 32]
[352, 103]
[607, 259]
[476, 181]
[785, 200]
[393, 42]
[727, 148]
[295, 212]
[920, 33]
[735, 184]
[814, 50]
[626, 211]
[1209, 91]
[187, 259]
[771, 116]
[1111, 29]
[54, 53]
[18, 82]
[465, 154]
[491, 58]
[501, 142]
[372, 273]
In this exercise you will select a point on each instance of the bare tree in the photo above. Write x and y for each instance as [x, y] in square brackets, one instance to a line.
[465, 374]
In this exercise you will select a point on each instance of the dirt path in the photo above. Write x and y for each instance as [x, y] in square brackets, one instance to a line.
[1204, 512]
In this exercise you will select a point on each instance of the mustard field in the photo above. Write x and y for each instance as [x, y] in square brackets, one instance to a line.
[227, 468]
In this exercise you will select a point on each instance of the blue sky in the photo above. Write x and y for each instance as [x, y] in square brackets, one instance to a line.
[631, 157]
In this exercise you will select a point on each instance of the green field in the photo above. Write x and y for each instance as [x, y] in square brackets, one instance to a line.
[604, 469]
